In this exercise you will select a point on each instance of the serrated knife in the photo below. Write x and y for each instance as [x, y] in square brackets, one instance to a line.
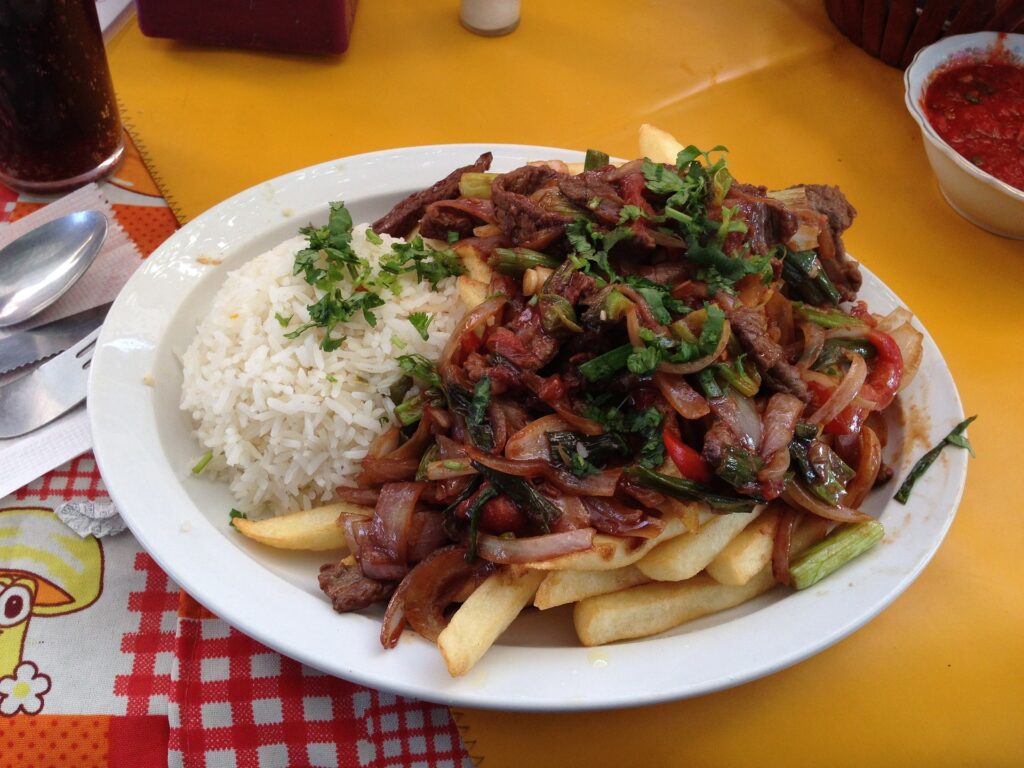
[51, 390]
[41, 342]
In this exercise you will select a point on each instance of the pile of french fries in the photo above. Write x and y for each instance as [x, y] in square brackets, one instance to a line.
[621, 588]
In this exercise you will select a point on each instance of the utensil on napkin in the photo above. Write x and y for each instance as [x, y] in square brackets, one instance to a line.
[51, 390]
[36, 344]
[23, 459]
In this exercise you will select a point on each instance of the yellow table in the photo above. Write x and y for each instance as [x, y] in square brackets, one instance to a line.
[938, 678]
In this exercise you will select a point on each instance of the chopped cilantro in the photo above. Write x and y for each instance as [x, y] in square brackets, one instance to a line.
[282, 319]
[420, 369]
[643, 361]
[592, 246]
[373, 237]
[421, 321]
[430, 264]
[478, 405]
[234, 514]
[630, 213]
[331, 378]
[658, 298]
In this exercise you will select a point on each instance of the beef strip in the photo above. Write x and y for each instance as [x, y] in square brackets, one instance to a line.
[401, 219]
[718, 437]
[843, 271]
[523, 342]
[349, 590]
[459, 216]
[751, 328]
[523, 221]
[589, 190]
[768, 221]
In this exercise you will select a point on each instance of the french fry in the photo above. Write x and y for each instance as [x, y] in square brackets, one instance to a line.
[563, 587]
[748, 553]
[472, 292]
[687, 555]
[660, 146]
[476, 267]
[659, 606]
[611, 552]
[484, 616]
[311, 529]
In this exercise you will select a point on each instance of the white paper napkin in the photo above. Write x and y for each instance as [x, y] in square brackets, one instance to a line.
[23, 459]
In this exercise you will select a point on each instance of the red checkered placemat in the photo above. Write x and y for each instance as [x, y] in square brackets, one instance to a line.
[197, 693]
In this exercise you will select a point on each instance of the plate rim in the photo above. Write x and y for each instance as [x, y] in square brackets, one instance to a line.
[462, 692]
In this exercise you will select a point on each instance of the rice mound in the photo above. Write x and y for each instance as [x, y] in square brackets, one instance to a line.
[286, 421]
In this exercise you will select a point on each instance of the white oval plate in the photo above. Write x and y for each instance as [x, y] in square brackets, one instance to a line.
[144, 447]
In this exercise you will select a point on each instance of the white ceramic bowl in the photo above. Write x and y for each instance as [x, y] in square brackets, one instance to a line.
[976, 195]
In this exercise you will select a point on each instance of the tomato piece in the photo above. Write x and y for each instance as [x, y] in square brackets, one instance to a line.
[687, 460]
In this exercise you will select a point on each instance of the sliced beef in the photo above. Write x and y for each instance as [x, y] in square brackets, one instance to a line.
[718, 437]
[843, 271]
[524, 221]
[349, 590]
[591, 191]
[401, 219]
[459, 216]
[768, 221]
[523, 342]
[633, 186]
[751, 328]
[830, 201]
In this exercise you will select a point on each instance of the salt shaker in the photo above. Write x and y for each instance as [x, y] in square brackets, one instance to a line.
[490, 17]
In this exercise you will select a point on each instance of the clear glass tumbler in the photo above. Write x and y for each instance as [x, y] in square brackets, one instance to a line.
[59, 123]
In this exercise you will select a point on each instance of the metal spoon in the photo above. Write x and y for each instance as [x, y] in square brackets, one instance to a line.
[41, 265]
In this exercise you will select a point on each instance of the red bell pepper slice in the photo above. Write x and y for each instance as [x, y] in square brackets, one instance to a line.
[880, 386]
[687, 460]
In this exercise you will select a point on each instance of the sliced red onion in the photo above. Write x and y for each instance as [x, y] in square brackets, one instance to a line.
[533, 549]
[614, 517]
[844, 393]
[814, 341]
[686, 401]
[531, 441]
[783, 543]
[870, 461]
[701, 363]
[574, 514]
[603, 483]
[740, 413]
[525, 468]
[911, 344]
[848, 332]
[797, 496]
[432, 586]
[780, 418]
[445, 469]
[426, 533]
[387, 470]
[364, 497]
[479, 315]
[392, 518]
[385, 443]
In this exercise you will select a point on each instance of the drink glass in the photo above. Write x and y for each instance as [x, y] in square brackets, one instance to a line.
[59, 123]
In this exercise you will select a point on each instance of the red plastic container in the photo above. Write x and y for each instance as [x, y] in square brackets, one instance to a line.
[297, 26]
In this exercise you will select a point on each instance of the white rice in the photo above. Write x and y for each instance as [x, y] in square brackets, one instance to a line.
[282, 433]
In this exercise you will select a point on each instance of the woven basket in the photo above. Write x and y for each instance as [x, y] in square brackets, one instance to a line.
[894, 30]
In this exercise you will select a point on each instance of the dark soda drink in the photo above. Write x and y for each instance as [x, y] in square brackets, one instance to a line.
[59, 124]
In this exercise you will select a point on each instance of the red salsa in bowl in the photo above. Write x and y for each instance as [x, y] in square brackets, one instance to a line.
[978, 109]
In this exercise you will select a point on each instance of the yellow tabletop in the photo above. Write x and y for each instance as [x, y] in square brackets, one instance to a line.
[936, 679]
